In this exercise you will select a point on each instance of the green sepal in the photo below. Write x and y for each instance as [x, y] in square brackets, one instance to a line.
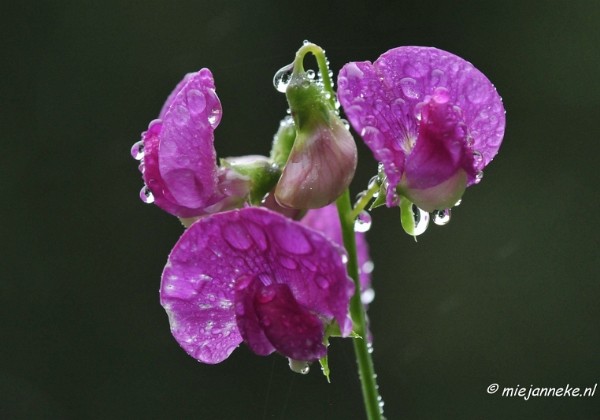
[283, 141]
[407, 218]
[261, 171]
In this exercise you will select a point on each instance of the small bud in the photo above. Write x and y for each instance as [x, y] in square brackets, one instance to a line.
[323, 158]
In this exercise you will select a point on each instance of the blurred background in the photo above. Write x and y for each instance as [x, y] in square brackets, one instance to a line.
[506, 293]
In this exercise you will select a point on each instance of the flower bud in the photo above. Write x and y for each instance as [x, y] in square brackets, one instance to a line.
[323, 158]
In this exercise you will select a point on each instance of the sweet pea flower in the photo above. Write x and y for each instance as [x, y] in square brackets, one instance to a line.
[430, 117]
[255, 276]
[178, 156]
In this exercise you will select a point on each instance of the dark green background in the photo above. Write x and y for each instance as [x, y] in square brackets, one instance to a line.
[507, 293]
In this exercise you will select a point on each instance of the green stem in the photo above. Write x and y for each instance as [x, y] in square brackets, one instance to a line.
[361, 347]
[321, 62]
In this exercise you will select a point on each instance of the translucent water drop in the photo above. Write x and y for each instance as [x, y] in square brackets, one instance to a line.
[137, 150]
[458, 203]
[359, 197]
[368, 267]
[367, 296]
[441, 217]
[344, 258]
[215, 117]
[477, 157]
[362, 222]
[299, 366]
[282, 78]
[305, 42]
[421, 218]
[478, 177]
[346, 124]
[373, 181]
[146, 195]
[310, 74]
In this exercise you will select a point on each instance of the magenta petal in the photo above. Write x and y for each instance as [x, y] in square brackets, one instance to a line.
[291, 328]
[179, 164]
[219, 253]
[187, 158]
[384, 102]
[250, 327]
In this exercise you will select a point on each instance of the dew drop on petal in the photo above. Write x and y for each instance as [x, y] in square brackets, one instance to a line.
[362, 222]
[310, 74]
[441, 217]
[266, 295]
[146, 195]
[214, 117]
[477, 157]
[478, 177]
[282, 78]
[408, 86]
[287, 262]
[137, 150]
[421, 218]
[196, 101]
[181, 115]
[322, 282]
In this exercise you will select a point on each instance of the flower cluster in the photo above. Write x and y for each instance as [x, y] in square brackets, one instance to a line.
[261, 260]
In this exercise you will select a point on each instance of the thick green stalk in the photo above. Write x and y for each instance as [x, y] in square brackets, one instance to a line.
[361, 346]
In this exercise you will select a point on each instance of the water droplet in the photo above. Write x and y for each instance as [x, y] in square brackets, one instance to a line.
[421, 218]
[322, 282]
[458, 203]
[310, 74]
[373, 181]
[367, 296]
[146, 195]
[181, 115]
[215, 117]
[362, 222]
[346, 124]
[282, 78]
[477, 157]
[344, 258]
[137, 150]
[441, 217]
[287, 262]
[196, 101]
[367, 267]
[478, 177]
[299, 366]
[305, 42]
[409, 87]
[266, 295]
[237, 236]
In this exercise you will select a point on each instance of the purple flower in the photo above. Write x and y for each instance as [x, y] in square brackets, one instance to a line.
[430, 117]
[253, 275]
[178, 157]
[326, 220]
